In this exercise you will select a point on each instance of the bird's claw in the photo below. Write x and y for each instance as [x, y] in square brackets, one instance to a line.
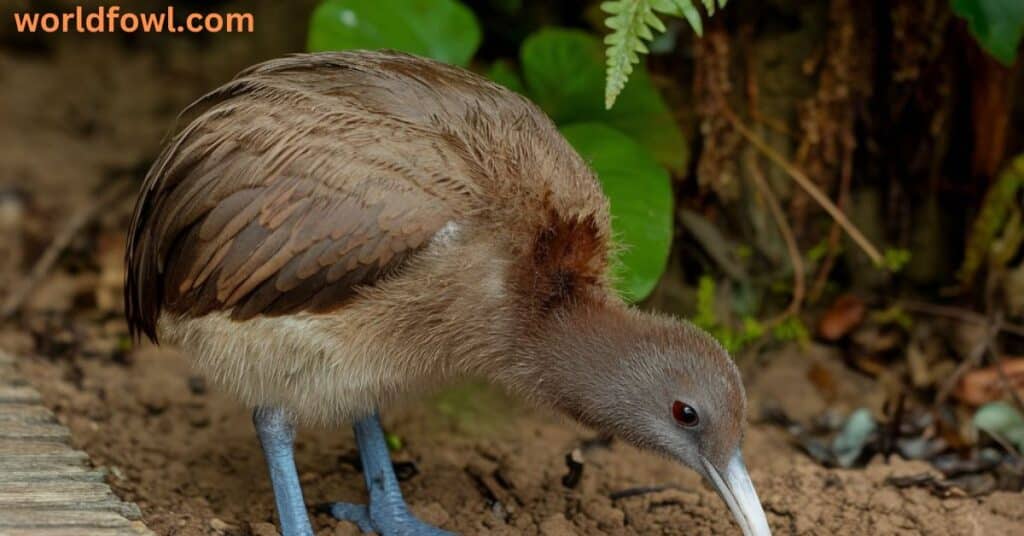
[355, 513]
[394, 523]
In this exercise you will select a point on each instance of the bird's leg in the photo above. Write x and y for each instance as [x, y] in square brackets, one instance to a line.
[277, 434]
[387, 513]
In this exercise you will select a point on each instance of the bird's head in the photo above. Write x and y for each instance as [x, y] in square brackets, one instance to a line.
[665, 386]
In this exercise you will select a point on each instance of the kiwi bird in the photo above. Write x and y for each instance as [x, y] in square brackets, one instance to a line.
[332, 232]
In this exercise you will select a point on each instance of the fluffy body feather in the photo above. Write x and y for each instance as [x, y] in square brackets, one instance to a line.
[335, 229]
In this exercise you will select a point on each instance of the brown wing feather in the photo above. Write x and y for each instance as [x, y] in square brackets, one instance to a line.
[289, 192]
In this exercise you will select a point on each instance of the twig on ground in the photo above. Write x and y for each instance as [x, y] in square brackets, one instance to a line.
[574, 463]
[61, 240]
[958, 313]
[787, 235]
[633, 492]
[804, 182]
[973, 361]
[892, 430]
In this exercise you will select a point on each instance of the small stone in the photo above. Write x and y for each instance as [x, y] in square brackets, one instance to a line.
[155, 403]
[480, 467]
[431, 514]
[199, 420]
[405, 470]
[346, 528]
[607, 516]
[674, 496]
[557, 525]
[117, 473]
[263, 529]
[525, 524]
[222, 526]
[197, 385]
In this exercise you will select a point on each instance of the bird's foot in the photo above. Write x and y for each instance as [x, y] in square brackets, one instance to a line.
[355, 513]
[397, 521]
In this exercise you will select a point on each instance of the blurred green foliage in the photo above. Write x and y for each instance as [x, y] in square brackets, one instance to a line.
[474, 407]
[634, 145]
[641, 203]
[563, 72]
[1000, 207]
[791, 329]
[707, 317]
[893, 315]
[894, 259]
[998, 25]
[504, 73]
[736, 330]
[444, 30]
[394, 441]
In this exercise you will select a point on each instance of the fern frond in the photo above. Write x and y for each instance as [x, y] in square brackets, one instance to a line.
[632, 22]
[687, 10]
[627, 18]
[1000, 202]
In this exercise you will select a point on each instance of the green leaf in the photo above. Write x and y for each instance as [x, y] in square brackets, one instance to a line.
[1001, 420]
[894, 259]
[629, 21]
[706, 317]
[682, 8]
[998, 25]
[444, 30]
[791, 329]
[502, 72]
[394, 442]
[641, 203]
[564, 74]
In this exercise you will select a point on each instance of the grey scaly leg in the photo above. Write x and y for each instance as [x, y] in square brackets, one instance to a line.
[277, 434]
[387, 513]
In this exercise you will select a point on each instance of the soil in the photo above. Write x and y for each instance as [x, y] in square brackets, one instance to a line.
[188, 456]
[78, 115]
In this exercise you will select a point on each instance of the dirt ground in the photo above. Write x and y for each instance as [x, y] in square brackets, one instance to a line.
[77, 117]
[188, 456]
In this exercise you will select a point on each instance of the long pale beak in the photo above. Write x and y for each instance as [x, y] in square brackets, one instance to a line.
[737, 490]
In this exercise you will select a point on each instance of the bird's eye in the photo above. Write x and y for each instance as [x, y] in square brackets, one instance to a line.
[685, 414]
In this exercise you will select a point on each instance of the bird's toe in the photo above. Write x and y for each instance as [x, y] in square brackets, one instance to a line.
[356, 513]
[386, 522]
[406, 524]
